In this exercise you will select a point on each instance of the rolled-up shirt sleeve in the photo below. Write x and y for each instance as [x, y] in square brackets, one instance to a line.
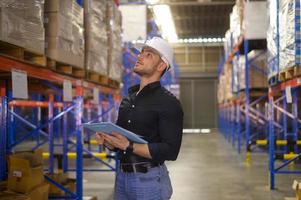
[170, 127]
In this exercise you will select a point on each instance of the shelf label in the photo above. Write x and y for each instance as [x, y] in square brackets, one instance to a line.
[85, 84]
[20, 84]
[67, 90]
[17, 174]
[95, 95]
[288, 94]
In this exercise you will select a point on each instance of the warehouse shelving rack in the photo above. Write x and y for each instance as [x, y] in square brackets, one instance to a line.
[239, 116]
[284, 102]
[285, 136]
[72, 133]
[280, 120]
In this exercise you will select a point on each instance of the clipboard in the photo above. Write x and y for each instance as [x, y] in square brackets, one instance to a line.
[108, 128]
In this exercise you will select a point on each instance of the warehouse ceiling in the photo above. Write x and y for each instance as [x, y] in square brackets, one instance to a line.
[206, 19]
[198, 18]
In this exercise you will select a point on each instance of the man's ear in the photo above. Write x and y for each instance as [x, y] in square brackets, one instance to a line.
[162, 66]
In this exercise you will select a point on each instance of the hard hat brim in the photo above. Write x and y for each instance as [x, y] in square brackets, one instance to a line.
[140, 46]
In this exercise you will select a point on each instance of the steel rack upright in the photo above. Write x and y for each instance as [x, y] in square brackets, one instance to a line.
[43, 131]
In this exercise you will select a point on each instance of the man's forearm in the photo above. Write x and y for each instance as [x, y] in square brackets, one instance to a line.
[142, 150]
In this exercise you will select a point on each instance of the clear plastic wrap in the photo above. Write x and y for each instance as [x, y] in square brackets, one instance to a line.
[272, 39]
[227, 44]
[78, 47]
[115, 42]
[236, 23]
[97, 62]
[235, 75]
[96, 7]
[96, 27]
[287, 34]
[96, 36]
[22, 24]
[65, 24]
[257, 70]
[58, 25]
[60, 6]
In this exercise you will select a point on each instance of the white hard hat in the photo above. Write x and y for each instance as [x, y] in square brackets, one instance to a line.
[162, 46]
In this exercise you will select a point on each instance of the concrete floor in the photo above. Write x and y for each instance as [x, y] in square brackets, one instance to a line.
[208, 168]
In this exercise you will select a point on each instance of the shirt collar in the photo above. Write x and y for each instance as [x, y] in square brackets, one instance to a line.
[149, 87]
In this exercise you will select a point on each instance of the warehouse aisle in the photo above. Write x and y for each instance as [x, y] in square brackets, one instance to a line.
[208, 168]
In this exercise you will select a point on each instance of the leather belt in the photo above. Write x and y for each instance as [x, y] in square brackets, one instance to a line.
[137, 167]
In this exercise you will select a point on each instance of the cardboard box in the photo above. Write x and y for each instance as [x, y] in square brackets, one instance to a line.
[23, 26]
[57, 24]
[58, 6]
[25, 171]
[3, 185]
[57, 49]
[40, 192]
[59, 178]
[90, 198]
[297, 187]
[7, 195]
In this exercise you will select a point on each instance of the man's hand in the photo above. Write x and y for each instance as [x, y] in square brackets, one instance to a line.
[100, 138]
[117, 140]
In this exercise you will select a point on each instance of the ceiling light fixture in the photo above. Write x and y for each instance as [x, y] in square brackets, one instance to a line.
[151, 2]
[164, 19]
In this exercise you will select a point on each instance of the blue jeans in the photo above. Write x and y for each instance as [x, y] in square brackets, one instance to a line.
[153, 185]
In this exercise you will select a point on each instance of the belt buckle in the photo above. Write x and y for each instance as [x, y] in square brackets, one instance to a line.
[134, 168]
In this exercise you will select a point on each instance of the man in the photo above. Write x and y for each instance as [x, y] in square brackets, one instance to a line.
[154, 113]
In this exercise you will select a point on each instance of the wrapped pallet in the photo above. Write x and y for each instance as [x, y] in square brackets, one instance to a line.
[115, 42]
[64, 32]
[236, 17]
[289, 35]
[250, 19]
[272, 58]
[228, 82]
[96, 36]
[235, 75]
[21, 24]
[257, 70]
[255, 23]
[228, 44]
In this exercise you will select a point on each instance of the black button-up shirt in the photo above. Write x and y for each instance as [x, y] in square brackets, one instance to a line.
[157, 115]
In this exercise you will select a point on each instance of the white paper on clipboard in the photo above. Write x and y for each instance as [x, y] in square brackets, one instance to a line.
[108, 128]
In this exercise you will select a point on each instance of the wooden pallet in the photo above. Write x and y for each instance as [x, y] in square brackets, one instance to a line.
[97, 78]
[293, 72]
[289, 73]
[258, 92]
[281, 76]
[65, 68]
[22, 54]
[113, 83]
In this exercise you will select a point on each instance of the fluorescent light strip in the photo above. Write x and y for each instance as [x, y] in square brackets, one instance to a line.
[165, 21]
[191, 40]
[191, 130]
[196, 130]
[201, 40]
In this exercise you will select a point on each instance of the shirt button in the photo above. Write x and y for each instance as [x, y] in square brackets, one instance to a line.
[129, 121]
[133, 106]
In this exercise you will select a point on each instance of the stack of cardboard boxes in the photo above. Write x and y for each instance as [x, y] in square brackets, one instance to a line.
[225, 91]
[115, 42]
[257, 70]
[26, 178]
[96, 37]
[21, 24]
[64, 25]
[62, 179]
